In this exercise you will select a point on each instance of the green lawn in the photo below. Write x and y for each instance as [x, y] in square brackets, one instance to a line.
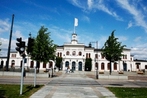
[125, 92]
[13, 91]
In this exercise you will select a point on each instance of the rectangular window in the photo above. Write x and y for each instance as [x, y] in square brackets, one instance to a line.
[96, 56]
[13, 55]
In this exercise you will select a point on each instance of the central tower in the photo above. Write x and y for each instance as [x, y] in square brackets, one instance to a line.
[74, 39]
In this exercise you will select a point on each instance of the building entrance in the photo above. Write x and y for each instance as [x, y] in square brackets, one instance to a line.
[73, 65]
[125, 66]
[80, 66]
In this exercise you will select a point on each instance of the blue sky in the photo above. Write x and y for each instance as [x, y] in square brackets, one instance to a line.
[96, 20]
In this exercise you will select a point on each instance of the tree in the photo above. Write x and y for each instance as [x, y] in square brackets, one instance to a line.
[88, 64]
[112, 49]
[58, 62]
[43, 49]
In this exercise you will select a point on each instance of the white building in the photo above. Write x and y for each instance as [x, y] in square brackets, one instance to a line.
[73, 56]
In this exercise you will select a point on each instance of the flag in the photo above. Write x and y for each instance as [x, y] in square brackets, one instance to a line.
[76, 22]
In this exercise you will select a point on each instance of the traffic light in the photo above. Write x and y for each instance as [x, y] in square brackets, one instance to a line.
[20, 47]
[30, 45]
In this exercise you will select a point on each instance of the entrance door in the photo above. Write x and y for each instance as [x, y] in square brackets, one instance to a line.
[125, 66]
[80, 66]
[73, 65]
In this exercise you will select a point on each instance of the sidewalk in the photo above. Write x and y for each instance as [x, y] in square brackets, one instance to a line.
[73, 85]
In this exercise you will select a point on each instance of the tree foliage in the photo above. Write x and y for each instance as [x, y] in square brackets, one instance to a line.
[88, 64]
[58, 62]
[112, 49]
[43, 49]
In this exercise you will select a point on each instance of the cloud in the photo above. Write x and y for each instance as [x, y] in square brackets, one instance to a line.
[90, 3]
[93, 5]
[4, 25]
[122, 38]
[135, 12]
[139, 52]
[130, 24]
[138, 39]
[86, 18]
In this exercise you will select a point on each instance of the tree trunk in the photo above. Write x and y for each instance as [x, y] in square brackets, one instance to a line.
[110, 68]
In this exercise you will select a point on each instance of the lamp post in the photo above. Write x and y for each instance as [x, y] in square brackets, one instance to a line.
[96, 60]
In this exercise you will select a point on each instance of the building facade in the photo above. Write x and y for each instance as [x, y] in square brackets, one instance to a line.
[74, 55]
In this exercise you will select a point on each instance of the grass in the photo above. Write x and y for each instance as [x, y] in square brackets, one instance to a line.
[13, 91]
[126, 92]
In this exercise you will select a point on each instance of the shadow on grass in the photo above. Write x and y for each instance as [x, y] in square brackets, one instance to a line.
[30, 87]
[2, 93]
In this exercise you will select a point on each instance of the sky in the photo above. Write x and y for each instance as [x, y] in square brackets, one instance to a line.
[96, 21]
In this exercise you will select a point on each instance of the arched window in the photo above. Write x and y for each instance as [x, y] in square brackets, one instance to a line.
[115, 66]
[89, 55]
[102, 66]
[86, 55]
[60, 54]
[66, 64]
[32, 64]
[96, 65]
[44, 65]
[67, 53]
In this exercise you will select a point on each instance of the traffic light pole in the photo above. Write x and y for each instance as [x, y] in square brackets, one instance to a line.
[22, 77]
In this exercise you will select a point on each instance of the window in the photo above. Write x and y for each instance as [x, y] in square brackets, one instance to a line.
[67, 53]
[102, 66]
[124, 56]
[32, 64]
[115, 66]
[145, 66]
[86, 55]
[102, 56]
[80, 53]
[89, 55]
[44, 65]
[108, 66]
[137, 66]
[13, 55]
[96, 56]
[73, 53]
[60, 54]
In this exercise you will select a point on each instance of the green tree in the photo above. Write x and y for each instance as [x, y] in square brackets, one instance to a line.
[58, 62]
[112, 49]
[88, 64]
[43, 49]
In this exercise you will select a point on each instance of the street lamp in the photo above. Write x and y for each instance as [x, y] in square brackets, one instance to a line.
[96, 59]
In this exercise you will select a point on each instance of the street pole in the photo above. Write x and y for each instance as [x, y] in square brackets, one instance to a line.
[9, 47]
[22, 78]
[35, 77]
[97, 73]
